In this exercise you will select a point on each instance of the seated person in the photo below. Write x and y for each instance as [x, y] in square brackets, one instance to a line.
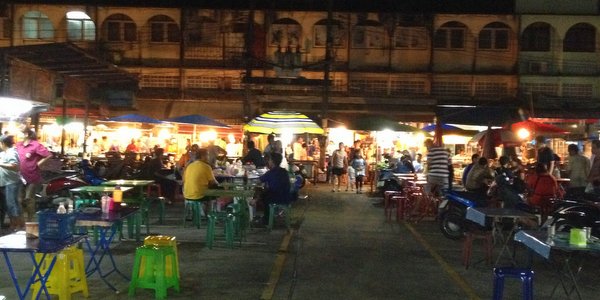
[197, 177]
[276, 185]
[479, 178]
[253, 156]
[542, 187]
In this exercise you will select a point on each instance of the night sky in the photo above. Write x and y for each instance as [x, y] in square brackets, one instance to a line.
[464, 6]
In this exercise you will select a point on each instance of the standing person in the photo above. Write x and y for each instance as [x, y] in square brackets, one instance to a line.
[297, 149]
[339, 163]
[545, 155]
[270, 148]
[359, 164]
[578, 170]
[437, 168]
[543, 187]
[10, 181]
[31, 155]
[417, 164]
[594, 175]
[276, 185]
[329, 155]
[197, 177]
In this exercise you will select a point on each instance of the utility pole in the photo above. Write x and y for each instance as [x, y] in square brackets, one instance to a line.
[327, 65]
[248, 42]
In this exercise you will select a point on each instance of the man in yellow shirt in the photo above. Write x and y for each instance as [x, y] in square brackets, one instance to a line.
[197, 177]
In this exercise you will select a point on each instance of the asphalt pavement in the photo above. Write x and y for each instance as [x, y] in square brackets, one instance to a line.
[340, 247]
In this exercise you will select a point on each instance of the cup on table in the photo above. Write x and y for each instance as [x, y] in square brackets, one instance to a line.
[578, 237]
[32, 230]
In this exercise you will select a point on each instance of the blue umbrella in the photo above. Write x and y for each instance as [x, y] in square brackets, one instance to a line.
[197, 120]
[445, 127]
[134, 118]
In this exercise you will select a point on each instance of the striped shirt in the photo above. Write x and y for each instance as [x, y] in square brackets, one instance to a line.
[437, 162]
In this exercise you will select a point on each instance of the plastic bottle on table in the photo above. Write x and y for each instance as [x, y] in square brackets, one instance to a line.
[61, 208]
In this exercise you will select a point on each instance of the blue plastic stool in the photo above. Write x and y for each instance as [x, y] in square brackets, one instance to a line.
[526, 276]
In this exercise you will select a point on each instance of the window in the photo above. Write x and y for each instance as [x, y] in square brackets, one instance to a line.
[407, 87]
[491, 89]
[5, 22]
[550, 89]
[410, 37]
[163, 30]
[577, 90]
[580, 38]
[159, 81]
[37, 25]
[494, 37]
[80, 27]
[368, 34]
[337, 33]
[369, 86]
[451, 88]
[285, 32]
[536, 37]
[450, 36]
[120, 28]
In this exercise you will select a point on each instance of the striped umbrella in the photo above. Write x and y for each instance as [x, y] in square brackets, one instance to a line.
[278, 122]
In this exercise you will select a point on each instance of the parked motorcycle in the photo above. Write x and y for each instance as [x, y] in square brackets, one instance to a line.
[453, 209]
[569, 214]
[388, 182]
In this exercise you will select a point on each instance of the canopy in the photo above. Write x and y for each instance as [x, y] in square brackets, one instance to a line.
[133, 118]
[497, 137]
[450, 129]
[537, 128]
[278, 122]
[380, 124]
[197, 120]
[18, 109]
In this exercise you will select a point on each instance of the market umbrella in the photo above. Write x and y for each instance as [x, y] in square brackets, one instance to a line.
[497, 137]
[196, 120]
[489, 147]
[133, 118]
[537, 128]
[277, 122]
[449, 129]
[379, 124]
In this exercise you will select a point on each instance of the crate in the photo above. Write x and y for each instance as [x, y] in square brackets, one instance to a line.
[55, 226]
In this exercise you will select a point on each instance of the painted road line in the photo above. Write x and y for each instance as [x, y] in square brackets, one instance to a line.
[269, 290]
[459, 280]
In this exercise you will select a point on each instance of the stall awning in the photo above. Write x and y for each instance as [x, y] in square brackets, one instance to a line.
[69, 60]
[479, 115]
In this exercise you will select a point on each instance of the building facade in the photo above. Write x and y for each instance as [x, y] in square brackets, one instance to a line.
[235, 64]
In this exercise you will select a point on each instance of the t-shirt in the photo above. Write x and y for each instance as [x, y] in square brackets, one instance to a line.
[359, 165]
[7, 176]
[338, 158]
[29, 156]
[277, 186]
[437, 162]
[196, 178]
[579, 168]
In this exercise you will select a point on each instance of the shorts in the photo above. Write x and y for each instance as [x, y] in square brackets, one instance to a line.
[436, 184]
[338, 171]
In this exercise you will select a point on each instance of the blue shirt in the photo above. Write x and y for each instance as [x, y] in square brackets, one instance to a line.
[277, 186]
[10, 156]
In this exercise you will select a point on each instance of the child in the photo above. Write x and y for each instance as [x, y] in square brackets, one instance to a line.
[351, 178]
[358, 164]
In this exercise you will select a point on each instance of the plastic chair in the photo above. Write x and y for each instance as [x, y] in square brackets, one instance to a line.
[286, 210]
[164, 240]
[197, 212]
[68, 275]
[525, 275]
[229, 228]
[388, 203]
[153, 274]
[471, 235]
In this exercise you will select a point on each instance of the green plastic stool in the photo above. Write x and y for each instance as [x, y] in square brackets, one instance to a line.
[228, 218]
[197, 211]
[153, 274]
[78, 203]
[287, 210]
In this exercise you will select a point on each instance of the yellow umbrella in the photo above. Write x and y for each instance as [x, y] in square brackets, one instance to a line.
[278, 122]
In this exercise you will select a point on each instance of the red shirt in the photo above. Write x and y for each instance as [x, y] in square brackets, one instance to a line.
[542, 187]
[29, 156]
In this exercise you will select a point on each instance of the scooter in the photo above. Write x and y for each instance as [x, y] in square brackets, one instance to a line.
[453, 209]
[388, 182]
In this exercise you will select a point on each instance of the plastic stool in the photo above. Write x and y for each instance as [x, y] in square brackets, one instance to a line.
[526, 276]
[154, 187]
[154, 275]
[287, 210]
[472, 235]
[197, 212]
[68, 275]
[164, 240]
[229, 228]
[387, 204]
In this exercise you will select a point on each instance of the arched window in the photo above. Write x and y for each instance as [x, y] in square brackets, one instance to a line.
[580, 38]
[536, 37]
[494, 36]
[337, 33]
[285, 32]
[5, 28]
[163, 29]
[120, 28]
[450, 36]
[80, 27]
[368, 34]
[37, 25]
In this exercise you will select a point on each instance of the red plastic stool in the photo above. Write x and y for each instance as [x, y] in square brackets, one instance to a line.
[154, 187]
[387, 203]
[472, 235]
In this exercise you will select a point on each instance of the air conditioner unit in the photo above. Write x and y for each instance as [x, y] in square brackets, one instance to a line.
[538, 67]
